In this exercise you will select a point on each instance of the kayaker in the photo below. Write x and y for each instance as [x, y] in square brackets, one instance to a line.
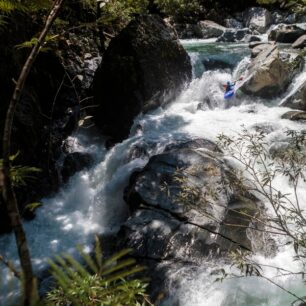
[229, 86]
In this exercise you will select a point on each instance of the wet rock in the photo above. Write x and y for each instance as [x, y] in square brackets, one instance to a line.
[278, 17]
[49, 109]
[300, 42]
[295, 116]
[294, 18]
[188, 30]
[233, 23]
[175, 202]
[210, 29]
[257, 18]
[258, 49]
[214, 63]
[254, 44]
[144, 67]
[75, 162]
[251, 38]
[285, 33]
[296, 99]
[271, 71]
[234, 35]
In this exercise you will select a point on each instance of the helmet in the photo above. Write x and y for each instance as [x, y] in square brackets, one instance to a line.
[228, 83]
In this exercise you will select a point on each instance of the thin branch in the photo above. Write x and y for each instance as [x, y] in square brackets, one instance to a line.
[8, 190]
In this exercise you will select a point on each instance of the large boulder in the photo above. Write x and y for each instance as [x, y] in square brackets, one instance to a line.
[210, 29]
[185, 207]
[271, 71]
[144, 67]
[300, 42]
[234, 35]
[49, 108]
[257, 18]
[285, 33]
[185, 192]
[296, 99]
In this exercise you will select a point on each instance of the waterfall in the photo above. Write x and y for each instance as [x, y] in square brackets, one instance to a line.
[92, 202]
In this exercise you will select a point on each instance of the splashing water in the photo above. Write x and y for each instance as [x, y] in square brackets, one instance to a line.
[93, 200]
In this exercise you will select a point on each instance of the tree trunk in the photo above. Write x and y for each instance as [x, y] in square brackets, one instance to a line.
[8, 190]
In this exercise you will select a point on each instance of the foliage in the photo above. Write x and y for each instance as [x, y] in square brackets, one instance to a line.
[20, 174]
[259, 167]
[106, 282]
[26, 6]
[182, 10]
[118, 13]
[298, 6]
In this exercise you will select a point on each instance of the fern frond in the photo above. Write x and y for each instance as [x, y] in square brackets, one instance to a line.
[89, 261]
[106, 286]
[7, 6]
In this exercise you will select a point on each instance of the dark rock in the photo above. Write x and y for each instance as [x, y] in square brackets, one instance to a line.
[233, 23]
[49, 109]
[175, 202]
[183, 210]
[295, 18]
[251, 38]
[257, 18]
[215, 62]
[144, 67]
[295, 116]
[234, 35]
[278, 17]
[271, 71]
[75, 162]
[296, 99]
[187, 30]
[285, 33]
[300, 42]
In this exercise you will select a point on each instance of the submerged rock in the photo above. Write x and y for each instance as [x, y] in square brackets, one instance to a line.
[234, 35]
[144, 67]
[297, 98]
[285, 33]
[257, 18]
[271, 71]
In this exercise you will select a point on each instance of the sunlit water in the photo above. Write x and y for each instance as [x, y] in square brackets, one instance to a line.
[92, 202]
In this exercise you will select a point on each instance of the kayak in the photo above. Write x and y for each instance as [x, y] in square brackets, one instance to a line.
[228, 95]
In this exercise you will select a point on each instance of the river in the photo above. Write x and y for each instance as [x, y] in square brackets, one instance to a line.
[92, 201]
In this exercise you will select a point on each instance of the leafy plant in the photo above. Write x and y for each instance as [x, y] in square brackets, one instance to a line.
[20, 174]
[298, 6]
[182, 10]
[118, 13]
[105, 282]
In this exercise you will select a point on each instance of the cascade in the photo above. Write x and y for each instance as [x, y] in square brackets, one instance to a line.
[92, 202]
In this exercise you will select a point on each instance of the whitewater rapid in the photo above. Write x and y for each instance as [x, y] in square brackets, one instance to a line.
[92, 202]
